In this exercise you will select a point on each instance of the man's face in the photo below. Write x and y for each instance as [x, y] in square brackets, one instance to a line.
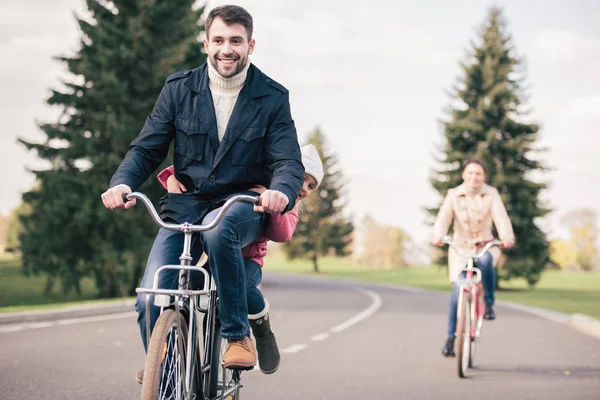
[228, 47]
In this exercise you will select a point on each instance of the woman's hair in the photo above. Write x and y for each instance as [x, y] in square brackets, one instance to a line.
[475, 161]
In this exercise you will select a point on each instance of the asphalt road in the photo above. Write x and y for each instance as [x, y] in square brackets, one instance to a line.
[338, 340]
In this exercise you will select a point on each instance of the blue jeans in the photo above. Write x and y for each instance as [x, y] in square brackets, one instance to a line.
[223, 245]
[256, 302]
[488, 278]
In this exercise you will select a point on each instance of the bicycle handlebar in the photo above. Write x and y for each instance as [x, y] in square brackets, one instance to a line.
[187, 226]
[479, 254]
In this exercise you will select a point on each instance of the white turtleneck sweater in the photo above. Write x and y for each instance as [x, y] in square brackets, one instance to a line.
[225, 92]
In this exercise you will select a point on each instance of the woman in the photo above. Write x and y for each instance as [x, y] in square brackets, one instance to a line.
[473, 206]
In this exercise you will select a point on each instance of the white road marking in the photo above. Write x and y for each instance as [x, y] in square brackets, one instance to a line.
[362, 315]
[71, 321]
[295, 348]
[319, 337]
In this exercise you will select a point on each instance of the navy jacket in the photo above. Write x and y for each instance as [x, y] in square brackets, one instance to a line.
[260, 145]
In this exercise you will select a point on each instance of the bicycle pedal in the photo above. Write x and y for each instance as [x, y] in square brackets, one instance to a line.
[240, 368]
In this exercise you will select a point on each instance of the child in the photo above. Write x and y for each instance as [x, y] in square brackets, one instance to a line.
[278, 228]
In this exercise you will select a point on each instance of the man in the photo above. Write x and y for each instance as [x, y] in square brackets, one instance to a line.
[233, 130]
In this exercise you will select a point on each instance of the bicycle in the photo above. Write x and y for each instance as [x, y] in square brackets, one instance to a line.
[471, 306]
[179, 365]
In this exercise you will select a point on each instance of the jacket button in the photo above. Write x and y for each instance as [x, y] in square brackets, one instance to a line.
[268, 80]
[211, 178]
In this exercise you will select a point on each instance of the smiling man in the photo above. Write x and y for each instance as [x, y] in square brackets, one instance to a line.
[229, 43]
[233, 130]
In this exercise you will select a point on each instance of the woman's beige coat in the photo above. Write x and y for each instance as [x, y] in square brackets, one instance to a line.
[473, 216]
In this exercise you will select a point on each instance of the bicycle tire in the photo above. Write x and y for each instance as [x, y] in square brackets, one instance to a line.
[162, 345]
[221, 379]
[215, 366]
[473, 328]
[463, 338]
[477, 307]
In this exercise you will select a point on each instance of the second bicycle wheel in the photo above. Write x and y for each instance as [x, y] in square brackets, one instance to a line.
[165, 367]
[463, 337]
[224, 382]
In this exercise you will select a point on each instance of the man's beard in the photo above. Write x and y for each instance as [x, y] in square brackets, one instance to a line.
[241, 64]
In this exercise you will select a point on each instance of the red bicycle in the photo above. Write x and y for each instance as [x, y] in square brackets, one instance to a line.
[471, 306]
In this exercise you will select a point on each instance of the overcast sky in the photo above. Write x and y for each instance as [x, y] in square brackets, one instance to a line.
[372, 75]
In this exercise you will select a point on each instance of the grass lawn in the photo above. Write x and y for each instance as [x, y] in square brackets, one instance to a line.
[22, 293]
[568, 292]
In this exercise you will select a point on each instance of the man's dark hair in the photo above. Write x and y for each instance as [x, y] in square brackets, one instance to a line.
[230, 14]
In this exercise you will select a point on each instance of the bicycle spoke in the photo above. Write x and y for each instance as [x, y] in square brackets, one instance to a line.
[172, 381]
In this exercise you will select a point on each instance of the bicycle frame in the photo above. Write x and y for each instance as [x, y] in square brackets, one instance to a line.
[162, 297]
[471, 286]
[470, 290]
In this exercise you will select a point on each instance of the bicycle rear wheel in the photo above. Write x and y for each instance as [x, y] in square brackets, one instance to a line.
[165, 367]
[224, 383]
[463, 337]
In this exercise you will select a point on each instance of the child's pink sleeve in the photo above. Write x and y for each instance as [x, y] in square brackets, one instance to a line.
[280, 228]
[165, 174]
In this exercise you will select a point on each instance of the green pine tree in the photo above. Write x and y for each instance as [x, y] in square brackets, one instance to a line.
[487, 121]
[322, 228]
[127, 50]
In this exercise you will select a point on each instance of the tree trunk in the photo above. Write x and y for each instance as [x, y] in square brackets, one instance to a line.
[138, 269]
[114, 288]
[315, 264]
[77, 285]
[49, 286]
[67, 286]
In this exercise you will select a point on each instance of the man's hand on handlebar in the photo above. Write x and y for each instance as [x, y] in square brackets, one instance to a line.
[437, 242]
[113, 198]
[507, 244]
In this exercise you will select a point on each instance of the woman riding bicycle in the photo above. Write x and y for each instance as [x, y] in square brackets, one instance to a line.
[473, 206]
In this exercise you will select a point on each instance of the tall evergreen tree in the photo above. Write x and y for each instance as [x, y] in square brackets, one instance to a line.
[488, 121]
[127, 50]
[322, 228]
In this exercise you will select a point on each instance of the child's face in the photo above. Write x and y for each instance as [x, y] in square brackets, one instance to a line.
[310, 184]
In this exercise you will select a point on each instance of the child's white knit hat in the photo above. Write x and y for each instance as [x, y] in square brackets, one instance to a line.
[312, 162]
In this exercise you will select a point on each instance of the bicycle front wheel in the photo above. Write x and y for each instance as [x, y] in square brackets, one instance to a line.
[463, 337]
[476, 308]
[165, 367]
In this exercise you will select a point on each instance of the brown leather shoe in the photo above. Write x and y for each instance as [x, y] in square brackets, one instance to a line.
[240, 354]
